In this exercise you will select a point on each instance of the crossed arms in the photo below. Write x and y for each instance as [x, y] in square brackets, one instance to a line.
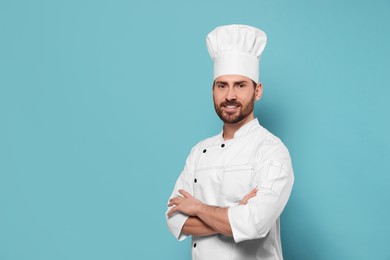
[204, 220]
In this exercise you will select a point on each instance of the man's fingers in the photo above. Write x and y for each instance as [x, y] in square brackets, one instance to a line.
[251, 194]
[172, 211]
[175, 201]
[171, 202]
[185, 194]
[248, 196]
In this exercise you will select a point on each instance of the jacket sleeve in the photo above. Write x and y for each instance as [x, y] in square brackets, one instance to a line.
[254, 220]
[176, 222]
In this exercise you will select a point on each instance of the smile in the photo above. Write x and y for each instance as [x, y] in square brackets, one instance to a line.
[230, 109]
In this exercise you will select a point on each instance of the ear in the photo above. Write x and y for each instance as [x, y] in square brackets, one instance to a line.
[258, 91]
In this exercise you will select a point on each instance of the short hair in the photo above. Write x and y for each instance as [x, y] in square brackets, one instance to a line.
[254, 83]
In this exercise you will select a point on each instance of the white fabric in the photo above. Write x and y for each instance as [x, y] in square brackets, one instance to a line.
[254, 158]
[236, 49]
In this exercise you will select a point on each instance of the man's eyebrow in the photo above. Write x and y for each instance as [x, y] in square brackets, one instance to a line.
[235, 83]
[240, 82]
[221, 82]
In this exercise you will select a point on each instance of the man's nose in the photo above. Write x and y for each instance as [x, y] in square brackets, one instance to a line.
[231, 94]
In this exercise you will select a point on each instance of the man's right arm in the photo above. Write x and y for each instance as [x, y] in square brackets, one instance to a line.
[196, 227]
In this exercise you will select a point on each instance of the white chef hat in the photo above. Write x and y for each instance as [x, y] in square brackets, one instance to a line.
[236, 49]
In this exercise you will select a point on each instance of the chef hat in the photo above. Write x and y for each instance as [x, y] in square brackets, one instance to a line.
[236, 49]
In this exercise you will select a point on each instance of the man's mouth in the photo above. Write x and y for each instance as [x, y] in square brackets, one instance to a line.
[230, 108]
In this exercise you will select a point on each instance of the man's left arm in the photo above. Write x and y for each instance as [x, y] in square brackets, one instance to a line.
[254, 220]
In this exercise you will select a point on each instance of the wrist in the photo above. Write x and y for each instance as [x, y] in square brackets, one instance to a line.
[201, 208]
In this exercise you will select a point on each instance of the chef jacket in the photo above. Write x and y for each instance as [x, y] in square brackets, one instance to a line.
[221, 173]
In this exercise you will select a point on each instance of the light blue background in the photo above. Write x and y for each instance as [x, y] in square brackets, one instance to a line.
[101, 102]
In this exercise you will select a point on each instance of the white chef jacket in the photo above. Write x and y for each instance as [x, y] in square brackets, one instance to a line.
[221, 173]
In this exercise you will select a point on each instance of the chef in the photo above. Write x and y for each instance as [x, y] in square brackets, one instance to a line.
[234, 185]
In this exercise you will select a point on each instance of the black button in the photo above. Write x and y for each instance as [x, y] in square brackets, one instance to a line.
[194, 244]
[222, 145]
[204, 151]
[195, 180]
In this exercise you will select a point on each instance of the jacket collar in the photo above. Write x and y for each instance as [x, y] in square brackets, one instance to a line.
[244, 130]
[247, 128]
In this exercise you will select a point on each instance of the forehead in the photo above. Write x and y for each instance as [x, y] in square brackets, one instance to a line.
[232, 78]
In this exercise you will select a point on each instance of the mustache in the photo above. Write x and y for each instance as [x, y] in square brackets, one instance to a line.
[230, 103]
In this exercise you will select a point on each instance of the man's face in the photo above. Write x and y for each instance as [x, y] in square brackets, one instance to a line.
[234, 97]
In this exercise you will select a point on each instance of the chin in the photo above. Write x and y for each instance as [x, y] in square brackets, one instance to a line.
[232, 120]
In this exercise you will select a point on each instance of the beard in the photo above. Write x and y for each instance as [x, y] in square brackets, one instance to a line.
[243, 111]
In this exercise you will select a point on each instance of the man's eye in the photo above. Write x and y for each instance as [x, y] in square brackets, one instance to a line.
[242, 86]
[221, 86]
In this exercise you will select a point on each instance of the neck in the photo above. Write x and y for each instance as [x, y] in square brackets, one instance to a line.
[230, 129]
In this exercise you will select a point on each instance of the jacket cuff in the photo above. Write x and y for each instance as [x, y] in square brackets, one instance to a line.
[241, 223]
[175, 225]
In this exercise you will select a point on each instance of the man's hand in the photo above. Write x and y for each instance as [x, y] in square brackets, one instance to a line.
[190, 206]
[248, 196]
[186, 204]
